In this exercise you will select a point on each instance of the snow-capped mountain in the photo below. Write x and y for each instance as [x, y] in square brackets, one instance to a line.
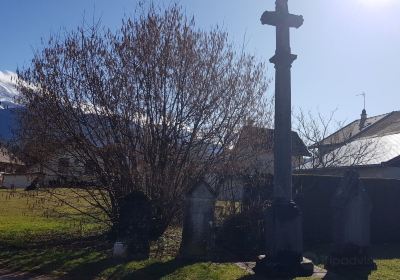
[8, 90]
[9, 107]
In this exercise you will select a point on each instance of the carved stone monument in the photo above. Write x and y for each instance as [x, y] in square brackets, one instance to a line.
[283, 221]
[351, 225]
[197, 235]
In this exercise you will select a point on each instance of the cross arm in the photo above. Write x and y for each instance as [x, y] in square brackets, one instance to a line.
[279, 19]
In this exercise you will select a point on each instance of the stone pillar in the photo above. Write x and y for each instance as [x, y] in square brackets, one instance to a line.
[351, 225]
[197, 234]
[283, 127]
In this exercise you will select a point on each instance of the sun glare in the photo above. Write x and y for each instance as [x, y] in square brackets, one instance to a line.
[376, 3]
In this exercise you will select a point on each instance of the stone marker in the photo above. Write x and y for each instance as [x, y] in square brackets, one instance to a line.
[351, 225]
[283, 221]
[197, 235]
[133, 230]
[119, 250]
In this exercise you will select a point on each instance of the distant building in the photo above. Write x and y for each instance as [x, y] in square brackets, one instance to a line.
[255, 148]
[370, 145]
[8, 162]
[253, 164]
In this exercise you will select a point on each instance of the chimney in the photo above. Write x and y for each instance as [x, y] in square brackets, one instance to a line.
[363, 119]
[250, 122]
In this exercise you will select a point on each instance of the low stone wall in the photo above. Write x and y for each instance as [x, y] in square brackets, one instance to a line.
[314, 195]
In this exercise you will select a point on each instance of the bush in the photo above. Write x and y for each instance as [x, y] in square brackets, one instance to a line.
[241, 236]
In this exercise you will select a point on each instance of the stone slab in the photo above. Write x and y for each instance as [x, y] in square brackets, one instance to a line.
[318, 272]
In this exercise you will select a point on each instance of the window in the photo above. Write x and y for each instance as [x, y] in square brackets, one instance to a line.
[63, 165]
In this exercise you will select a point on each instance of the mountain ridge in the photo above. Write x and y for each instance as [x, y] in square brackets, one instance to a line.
[8, 90]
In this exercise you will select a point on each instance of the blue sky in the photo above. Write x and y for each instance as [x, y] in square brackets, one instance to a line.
[345, 47]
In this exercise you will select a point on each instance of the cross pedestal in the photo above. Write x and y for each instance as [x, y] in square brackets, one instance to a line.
[283, 220]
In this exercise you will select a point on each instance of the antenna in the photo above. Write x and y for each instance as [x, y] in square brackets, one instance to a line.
[363, 94]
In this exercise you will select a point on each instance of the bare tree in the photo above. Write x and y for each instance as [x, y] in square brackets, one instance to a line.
[331, 143]
[150, 107]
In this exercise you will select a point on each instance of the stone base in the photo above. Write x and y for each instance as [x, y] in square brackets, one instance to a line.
[194, 253]
[350, 257]
[283, 227]
[272, 269]
[350, 262]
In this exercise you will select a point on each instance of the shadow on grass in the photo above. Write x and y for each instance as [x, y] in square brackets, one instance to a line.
[44, 263]
[152, 271]
[329, 276]
[377, 251]
[252, 277]
[48, 261]
[84, 263]
[355, 274]
[91, 270]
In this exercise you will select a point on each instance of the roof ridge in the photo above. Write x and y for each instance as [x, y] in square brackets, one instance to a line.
[321, 142]
[357, 135]
[380, 115]
[368, 127]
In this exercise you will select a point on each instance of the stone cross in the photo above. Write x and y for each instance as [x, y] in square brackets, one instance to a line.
[283, 21]
[283, 219]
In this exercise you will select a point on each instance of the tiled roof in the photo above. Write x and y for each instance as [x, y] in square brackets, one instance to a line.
[6, 157]
[352, 130]
[388, 125]
[377, 143]
[367, 151]
[264, 137]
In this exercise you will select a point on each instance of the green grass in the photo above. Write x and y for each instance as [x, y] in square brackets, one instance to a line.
[28, 217]
[38, 234]
[174, 270]
[386, 257]
[89, 264]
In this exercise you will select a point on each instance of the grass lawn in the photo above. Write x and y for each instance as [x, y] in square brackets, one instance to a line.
[30, 217]
[41, 235]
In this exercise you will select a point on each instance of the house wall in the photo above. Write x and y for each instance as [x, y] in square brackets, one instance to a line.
[232, 189]
[62, 167]
[8, 167]
[264, 162]
[52, 166]
[17, 181]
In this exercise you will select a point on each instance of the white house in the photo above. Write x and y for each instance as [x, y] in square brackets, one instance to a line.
[369, 145]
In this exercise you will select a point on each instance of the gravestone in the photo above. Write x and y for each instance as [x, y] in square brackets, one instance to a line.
[197, 234]
[351, 225]
[133, 228]
[119, 250]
